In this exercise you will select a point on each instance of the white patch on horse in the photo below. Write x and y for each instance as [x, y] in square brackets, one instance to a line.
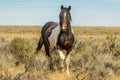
[72, 31]
[54, 36]
[65, 14]
[62, 56]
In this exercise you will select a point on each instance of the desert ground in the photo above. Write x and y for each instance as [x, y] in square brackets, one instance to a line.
[95, 56]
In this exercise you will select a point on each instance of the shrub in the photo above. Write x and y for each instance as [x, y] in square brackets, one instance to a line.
[21, 50]
[111, 41]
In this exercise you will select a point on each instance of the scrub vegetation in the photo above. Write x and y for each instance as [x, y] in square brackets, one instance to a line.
[95, 56]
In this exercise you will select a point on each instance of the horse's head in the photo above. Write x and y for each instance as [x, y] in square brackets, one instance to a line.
[64, 18]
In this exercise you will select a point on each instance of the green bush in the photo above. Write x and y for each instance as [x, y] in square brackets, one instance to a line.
[21, 50]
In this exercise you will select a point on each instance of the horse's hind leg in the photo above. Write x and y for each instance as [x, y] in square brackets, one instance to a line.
[46, 45]
[49, 57]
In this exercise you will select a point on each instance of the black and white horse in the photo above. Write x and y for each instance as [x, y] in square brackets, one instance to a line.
[58, 36]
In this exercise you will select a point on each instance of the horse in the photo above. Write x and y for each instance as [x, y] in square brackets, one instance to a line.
[58, 36]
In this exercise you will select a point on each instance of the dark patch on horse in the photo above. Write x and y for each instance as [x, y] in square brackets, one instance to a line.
[48, 27]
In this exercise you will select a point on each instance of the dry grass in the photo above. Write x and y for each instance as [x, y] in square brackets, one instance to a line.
[96, 55]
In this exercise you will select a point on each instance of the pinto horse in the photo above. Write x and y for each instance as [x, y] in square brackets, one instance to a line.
[58, 36]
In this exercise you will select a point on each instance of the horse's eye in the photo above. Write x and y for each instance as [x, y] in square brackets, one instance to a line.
[60, 16]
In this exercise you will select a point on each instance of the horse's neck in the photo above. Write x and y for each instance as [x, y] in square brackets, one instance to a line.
[69, 28]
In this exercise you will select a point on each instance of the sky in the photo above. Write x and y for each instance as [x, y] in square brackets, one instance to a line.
[38, 12]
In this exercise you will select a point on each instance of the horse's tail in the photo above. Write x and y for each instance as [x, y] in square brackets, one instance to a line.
[40, 43]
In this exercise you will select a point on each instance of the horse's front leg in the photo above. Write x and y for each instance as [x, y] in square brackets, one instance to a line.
[62, 57]
[67, 61]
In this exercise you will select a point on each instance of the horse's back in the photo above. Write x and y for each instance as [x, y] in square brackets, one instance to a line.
[47, 28]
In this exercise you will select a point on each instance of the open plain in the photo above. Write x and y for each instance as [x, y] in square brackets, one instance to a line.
[95, 56]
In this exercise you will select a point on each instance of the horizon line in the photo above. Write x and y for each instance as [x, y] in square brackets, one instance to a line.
[71, 25]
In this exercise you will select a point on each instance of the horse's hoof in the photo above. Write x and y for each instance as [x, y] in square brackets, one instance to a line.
[67, 72]
[62, 71]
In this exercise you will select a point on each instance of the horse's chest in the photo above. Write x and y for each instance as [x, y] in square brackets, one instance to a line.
[65, 41]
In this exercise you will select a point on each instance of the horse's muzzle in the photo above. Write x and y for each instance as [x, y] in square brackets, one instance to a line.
[64, 29]
[64, 26]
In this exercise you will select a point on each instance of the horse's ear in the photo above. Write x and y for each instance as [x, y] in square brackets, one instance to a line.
[69, 8]
[62, 6]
